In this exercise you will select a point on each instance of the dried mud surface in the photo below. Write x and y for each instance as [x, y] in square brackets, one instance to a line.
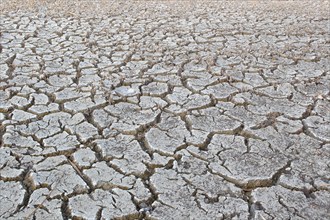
[155, 111]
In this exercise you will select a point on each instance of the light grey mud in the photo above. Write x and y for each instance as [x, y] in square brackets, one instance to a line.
[219, 112]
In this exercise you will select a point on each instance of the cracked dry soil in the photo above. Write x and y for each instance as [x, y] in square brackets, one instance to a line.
[217, 112]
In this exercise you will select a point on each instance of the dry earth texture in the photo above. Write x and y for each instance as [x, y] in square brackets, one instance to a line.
[164, 110]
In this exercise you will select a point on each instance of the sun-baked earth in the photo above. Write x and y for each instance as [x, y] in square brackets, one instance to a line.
[165, 110]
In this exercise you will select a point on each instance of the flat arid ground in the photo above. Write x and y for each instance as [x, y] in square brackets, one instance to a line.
[165, 110]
